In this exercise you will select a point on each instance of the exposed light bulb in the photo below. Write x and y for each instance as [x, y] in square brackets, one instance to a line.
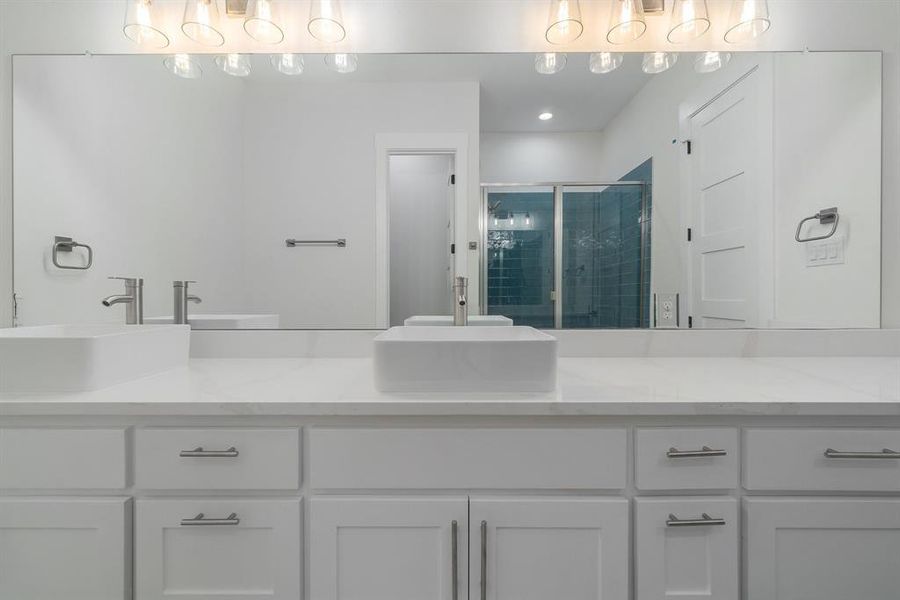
[564, 24]
[289, 64]
[262, 21]
[183, 65]
[690, 20]
[140, 27]
[707, 62]
[545, 116]
[326, 22]
[201, 22]
[748, 20]
[237, 65]
[657, 62]
[549, 63]
[627, 21]
[605, 62]
[342, 62]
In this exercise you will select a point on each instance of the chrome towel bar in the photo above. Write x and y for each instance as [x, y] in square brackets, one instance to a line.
[292, 243]
[824, 216]
[67, 244]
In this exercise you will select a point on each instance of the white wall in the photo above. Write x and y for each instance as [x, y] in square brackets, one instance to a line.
[541, 157]
[136, 163]
[309, 156]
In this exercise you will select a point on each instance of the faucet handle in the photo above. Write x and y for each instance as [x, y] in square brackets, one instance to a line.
[130, 280]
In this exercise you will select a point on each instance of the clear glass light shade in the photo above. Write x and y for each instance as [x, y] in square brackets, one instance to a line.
[605, 62]
[237, 65]
[141, 20]
[707, 62]
[690, 20]
[183, 65]
[657, 62]
[564, 24]
[201, 22]
[263, 21]
[548, 63]
[749, 19]
[289, 64]
[326, 23]
[342, 63]
[627, 21]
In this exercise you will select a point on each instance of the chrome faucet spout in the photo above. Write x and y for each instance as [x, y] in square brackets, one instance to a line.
[461, 307]
[133, 298]
[117, 299]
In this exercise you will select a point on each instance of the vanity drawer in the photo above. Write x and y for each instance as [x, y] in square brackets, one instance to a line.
[686, 459]
[65, 458]
[217, 459]
[214, 548]
[795, 459]
[393, 458]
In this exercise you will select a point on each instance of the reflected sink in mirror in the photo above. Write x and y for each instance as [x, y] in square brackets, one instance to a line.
[223, 321]
[80, 358]
[465, 359]
[447, 321]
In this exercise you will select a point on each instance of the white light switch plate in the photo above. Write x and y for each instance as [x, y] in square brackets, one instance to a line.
[825, 252]
[666, 306]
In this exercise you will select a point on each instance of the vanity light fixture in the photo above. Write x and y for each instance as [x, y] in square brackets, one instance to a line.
[657, 62]
[749, 19]
[627, 22]
[183, 65]
[288, 64]
[141, 17]
[707, 62]
[605, 62]
[342, 62]
[237, 65]
[690, 20]
[549, 63]
[545, 116]
[326, 22]
[201, 22]
[262, 21]
[564, 24]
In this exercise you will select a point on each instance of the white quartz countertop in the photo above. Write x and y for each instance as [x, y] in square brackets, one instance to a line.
[587, 386]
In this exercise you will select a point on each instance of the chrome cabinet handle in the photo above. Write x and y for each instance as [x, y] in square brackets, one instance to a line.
[231, 519]
[484, 560]
[454, 560]
[704, 520]
[199, 452]
[886, 453]
[702, 452]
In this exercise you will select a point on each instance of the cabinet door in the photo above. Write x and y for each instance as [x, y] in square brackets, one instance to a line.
[387, 548]
[823, 549]
[65, 548]
[540, 548]
[682, 554]
[240, 549]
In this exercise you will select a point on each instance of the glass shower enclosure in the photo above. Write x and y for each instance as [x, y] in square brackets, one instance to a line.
[567, 255]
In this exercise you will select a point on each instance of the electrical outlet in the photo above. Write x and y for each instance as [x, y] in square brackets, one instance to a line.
[667, 309]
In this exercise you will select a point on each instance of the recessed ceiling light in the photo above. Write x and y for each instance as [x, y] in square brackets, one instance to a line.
[545, 116]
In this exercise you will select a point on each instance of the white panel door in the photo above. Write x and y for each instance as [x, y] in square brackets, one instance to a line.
[731, 143]
[240, 549]
[65, 548]
[549, 548]
[682, 554]
[823, 549]
[387, 548]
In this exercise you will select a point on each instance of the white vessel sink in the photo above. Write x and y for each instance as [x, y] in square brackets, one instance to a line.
[222, 321]
[79, 358]
[447, 321]
[465, 359]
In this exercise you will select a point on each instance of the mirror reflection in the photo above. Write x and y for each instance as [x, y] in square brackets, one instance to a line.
[343, 191]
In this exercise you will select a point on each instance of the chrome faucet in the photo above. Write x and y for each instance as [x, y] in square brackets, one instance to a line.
[460, 301]
[181, 298]
[133, 299]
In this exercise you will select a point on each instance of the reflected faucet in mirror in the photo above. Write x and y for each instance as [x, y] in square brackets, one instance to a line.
[133, 299]
[181, 299]
[460, 301]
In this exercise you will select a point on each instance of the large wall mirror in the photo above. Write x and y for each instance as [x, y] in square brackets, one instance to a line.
[347, 192]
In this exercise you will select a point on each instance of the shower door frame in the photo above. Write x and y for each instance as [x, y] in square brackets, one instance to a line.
[558, 186]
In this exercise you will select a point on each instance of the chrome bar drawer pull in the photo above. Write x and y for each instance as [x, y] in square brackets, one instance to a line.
[231, 519]
[702, 452]
[199, 452]
[454, 561]
[704, 520]
[484, 560]
[886, 453]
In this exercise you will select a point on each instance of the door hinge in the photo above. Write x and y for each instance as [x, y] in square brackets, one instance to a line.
[689, 145]
[452, 248]
[15, 311]
[690, 322]
[690, 234]
[453, 179]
